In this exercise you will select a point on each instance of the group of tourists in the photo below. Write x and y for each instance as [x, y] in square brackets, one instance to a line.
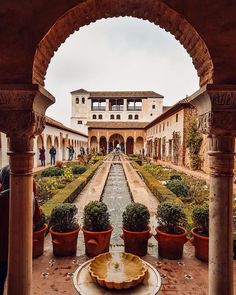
[4, 220]
[52, 153]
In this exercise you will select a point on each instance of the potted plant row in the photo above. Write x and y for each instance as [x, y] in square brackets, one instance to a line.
[39, 231]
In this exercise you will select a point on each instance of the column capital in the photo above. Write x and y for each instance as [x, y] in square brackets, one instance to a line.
[216, 106]
[22, 109]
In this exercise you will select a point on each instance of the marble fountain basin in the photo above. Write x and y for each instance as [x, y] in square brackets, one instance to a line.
[116, 273]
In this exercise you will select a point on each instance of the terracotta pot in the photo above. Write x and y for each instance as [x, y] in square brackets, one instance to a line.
[136, 242]
[38, 241]
[64, 244]
[201, 244]
[171, 246]
[97, 242]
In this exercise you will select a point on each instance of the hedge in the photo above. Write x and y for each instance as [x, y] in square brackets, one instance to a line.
[160, 191]
[70, 192]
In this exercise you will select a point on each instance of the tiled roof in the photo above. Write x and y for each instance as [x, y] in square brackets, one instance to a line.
[55, 123]
[116, 125]
[119, 94]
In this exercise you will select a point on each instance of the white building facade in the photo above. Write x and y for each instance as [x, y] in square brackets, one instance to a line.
[113, 106]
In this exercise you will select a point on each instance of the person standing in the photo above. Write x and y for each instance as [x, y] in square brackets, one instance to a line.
[42, 156]
[52, 153]
[72, 151]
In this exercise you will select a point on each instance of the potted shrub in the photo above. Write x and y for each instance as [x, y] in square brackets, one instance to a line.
[136, 231]
[200, 233]
[171, 236]
[39, 231]
[64, 229]
[96, 228]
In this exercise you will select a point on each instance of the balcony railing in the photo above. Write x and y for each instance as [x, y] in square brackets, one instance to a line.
[98, 108]
[117, 108]
[134, 108]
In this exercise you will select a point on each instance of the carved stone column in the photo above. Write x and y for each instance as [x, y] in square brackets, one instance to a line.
[21, 118]
[216, 105]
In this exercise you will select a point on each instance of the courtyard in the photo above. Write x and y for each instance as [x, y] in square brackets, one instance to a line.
[54, 275]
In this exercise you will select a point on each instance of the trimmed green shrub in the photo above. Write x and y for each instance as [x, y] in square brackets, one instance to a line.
[40, 223]
[200, 217]
[78, 169]
[68, 174]
[96, 217]
[178, 187]
[170, 216]
[175, 177]
[52, 171]
[136, 217]
[63, 218]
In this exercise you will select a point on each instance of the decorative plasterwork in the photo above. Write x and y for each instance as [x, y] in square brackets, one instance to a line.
[153, 10]
[22, 109]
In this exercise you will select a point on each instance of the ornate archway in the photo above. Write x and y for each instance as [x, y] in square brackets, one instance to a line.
[40, 144]
[156, 12]
[114, 140]
[130, 145]
[48, 146]
[103, 144]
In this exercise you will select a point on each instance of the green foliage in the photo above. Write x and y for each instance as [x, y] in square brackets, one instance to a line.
[175, 177]
[40, 223]
[201, 218]
[194, 141]
[68, 175]
[96, 217]
[52, 171]
[170, 216]
[178, 187]
[63, 218]
[136, 217]
[78, 169]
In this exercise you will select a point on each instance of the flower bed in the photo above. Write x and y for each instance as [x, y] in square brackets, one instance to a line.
[71, 190]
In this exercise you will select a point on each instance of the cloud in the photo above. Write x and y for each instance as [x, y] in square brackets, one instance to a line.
[119, 54]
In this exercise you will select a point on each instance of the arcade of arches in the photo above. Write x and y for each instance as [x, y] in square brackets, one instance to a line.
[44, 26]
[130, 141]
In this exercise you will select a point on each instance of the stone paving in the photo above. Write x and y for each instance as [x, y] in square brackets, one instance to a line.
[188, 276]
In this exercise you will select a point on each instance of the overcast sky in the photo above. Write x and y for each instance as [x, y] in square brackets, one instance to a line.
[119, 54]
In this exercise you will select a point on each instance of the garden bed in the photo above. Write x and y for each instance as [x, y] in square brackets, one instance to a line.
[169, 185]
[71, 190]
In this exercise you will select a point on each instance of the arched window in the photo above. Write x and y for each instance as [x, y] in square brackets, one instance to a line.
[112, 117]
[77, 100]
[136, 117]
[130, 117]
[94, 116]
[118, 117]
[100, 117]
[83, 100]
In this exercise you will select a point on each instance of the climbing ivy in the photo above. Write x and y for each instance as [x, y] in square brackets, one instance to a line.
[194, 142]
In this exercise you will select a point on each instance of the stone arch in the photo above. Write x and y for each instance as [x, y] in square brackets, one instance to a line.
[48, 146]
[40, 144]
[103, 144]
[139, 145]
[115, 139]
[94, 143]
[156, 12]
[130, 145]
[56, 145]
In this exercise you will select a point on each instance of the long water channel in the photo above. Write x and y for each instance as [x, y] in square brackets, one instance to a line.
[117, 196]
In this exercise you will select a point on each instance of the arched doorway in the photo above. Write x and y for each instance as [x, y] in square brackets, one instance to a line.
[103, 144]
[40, 144]
[114, 140]
[139, 145]
[130, 145]
[56, 145]
[48, 146]
[94, 144]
